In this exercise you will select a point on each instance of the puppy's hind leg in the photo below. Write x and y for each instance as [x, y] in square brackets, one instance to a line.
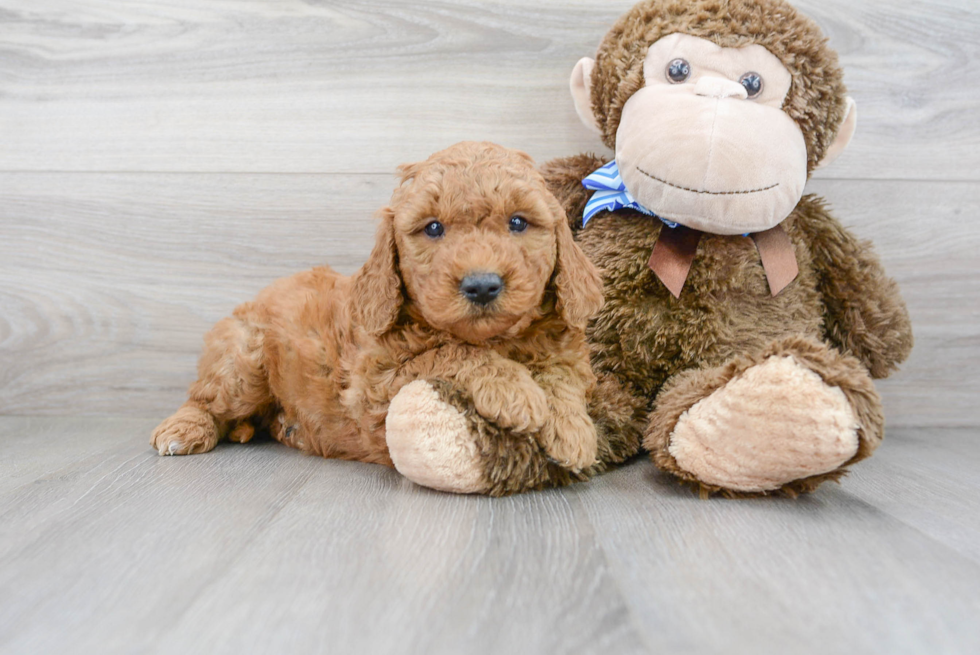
[232, 386]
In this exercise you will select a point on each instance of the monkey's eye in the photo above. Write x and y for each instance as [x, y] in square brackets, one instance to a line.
[678, 71]
[752, 83]
[517, 224]
[434, 229]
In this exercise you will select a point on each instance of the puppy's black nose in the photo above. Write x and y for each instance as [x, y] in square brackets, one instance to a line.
[481, 288]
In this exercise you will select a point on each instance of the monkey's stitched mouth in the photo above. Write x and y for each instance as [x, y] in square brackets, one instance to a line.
[708, 193]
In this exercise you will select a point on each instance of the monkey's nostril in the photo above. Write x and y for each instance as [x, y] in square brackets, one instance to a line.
[481, 288]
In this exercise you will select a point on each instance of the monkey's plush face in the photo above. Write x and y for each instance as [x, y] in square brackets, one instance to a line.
[705, 142]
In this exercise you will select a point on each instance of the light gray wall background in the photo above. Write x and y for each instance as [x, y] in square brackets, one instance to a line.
[162, 161]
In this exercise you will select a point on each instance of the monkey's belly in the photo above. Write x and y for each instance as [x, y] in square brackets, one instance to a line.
[644, 335]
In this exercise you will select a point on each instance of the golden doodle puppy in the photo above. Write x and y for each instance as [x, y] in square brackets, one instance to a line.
[465, 325]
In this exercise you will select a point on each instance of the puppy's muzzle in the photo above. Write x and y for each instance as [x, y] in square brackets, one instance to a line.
[481, 288]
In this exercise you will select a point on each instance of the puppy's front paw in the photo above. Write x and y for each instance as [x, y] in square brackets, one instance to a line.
[430, 441]
[523, 407]
[191, 430]
[571, 441]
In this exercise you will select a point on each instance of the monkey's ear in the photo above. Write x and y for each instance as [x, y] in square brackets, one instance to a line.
[844, 135]
[376, 289]
[581, 86]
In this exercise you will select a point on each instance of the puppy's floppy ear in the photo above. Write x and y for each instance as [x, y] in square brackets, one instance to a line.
[376, 289]
[577, 282]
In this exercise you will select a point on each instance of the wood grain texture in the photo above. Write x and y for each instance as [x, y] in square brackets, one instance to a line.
[109, 281]
[135, 553]
[827, 573]
[294, 86]
[36, 447]
[257, 548]
[934, 492]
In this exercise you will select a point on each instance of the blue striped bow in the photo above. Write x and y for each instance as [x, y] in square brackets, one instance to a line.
[611, 194]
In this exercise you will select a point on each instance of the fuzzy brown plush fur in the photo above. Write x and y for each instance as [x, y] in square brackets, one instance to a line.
[645, 339]
[318, 357]
[666, 363]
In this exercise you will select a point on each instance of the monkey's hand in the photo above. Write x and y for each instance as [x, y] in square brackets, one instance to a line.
[502, 390]
[865, 313]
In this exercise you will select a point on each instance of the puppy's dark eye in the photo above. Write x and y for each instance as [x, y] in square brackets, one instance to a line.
[678, 71]
[517, 224]
[753, 84]
[434, 229]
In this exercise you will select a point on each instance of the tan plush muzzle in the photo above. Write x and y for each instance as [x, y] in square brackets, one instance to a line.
[702, 152]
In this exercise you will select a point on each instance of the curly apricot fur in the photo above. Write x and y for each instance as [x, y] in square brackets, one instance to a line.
[317, 357]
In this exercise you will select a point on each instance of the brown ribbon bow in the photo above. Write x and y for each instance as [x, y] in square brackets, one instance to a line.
[676, 247]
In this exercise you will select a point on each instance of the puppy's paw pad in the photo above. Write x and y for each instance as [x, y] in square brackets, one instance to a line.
[775, 423]
[430, 442]
[187, 432]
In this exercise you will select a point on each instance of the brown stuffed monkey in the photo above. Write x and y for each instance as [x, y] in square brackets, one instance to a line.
[743, 324]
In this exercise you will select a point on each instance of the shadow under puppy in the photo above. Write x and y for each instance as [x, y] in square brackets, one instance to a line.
[463, 332]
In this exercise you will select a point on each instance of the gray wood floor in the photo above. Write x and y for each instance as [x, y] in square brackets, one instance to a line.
[107, 548]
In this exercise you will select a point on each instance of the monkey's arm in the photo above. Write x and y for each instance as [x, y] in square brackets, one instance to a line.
[564, 178]
[502, 390]
[865, 313]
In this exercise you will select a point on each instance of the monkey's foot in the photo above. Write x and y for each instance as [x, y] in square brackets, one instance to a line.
[430, 441]
[189, 431]
[787, 420]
